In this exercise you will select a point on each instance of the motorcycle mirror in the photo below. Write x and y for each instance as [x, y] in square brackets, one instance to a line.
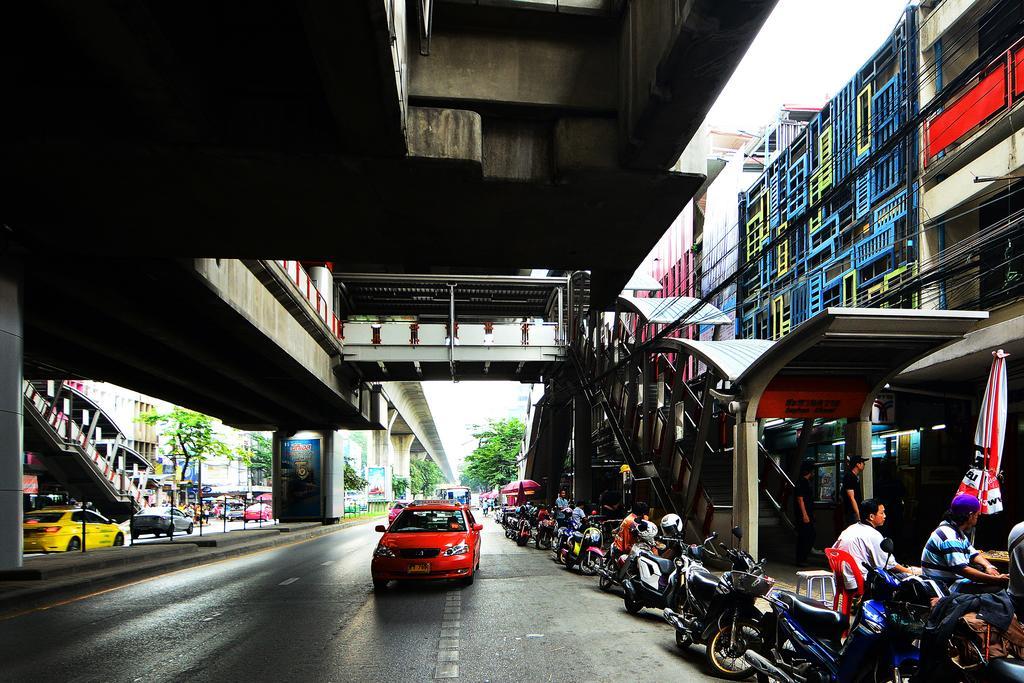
[737, 532]
[886, 545]
[714, 535]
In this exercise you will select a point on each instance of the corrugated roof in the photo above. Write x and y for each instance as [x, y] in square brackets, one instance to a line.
[666, 310]
[729, 357]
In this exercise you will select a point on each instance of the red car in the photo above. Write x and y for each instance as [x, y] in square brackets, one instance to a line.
[428, 540]
[393, 512]
[259, 511]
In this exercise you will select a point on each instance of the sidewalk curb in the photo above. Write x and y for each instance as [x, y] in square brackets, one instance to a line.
[80, 585]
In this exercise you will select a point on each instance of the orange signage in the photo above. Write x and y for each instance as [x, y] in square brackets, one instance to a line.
[29, 483]
[813, 396]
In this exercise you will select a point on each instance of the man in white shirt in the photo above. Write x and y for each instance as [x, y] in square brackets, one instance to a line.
[864, 542]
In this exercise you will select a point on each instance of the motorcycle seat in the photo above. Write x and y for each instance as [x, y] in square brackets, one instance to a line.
[816, 618]
[1008, 670]
[664, 565]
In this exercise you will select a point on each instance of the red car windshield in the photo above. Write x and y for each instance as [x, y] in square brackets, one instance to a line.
[429, 520]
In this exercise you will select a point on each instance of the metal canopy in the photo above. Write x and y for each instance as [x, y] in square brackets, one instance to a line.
[867, 343]
[481, 297]
[728, 358]
[662, 311]
[642, 282]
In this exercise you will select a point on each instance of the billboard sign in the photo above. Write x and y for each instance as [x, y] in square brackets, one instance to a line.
[301, 479]
[377, 478]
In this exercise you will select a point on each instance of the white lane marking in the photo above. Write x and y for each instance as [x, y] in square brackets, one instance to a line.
[324, 564]
[213, 616]
[288, 581]
[448, 643]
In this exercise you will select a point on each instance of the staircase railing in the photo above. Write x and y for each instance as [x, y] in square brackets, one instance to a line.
[775, 484]
[75, 439]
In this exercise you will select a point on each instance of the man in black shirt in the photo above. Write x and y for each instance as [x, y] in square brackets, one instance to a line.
[803, 503]
[851, 493]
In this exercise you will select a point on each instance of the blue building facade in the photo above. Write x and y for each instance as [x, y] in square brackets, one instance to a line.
[833, 220]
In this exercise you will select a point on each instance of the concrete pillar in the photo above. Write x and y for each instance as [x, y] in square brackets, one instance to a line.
[858, 444]
[324, 281]
[11, 419]
[744, 482]
[401, 446]
[583, 450]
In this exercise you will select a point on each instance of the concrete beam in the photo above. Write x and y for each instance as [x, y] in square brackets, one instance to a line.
[564, 72]
[445, 135]
[675, 58]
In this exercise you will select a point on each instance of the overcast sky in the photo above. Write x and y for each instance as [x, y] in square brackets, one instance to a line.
[807, 50]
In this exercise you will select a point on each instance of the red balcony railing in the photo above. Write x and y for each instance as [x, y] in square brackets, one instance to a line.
[996, 88]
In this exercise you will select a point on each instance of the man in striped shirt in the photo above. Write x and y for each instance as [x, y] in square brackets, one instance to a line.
[948, 555]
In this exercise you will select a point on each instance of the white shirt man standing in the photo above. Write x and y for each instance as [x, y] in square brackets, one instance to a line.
[864, 542]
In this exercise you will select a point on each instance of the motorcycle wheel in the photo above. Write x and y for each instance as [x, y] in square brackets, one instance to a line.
[522, 540]
[632, 606]
[588, 566]
[544, 542]
[605, 581]
[727, 663]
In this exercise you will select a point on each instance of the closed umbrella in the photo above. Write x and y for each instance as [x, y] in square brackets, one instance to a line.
[982, 480]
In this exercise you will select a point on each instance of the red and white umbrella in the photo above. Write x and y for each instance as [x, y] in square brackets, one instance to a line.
[982, 480]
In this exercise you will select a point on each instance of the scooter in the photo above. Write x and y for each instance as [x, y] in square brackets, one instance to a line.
[563, 536]
[803, 638]
[583, 548]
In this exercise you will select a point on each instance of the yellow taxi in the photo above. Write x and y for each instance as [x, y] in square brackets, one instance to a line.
[59, 528]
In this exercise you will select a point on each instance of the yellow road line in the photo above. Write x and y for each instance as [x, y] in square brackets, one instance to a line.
[159, 576]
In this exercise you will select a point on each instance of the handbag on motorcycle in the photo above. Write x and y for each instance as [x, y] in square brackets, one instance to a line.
[975, 639]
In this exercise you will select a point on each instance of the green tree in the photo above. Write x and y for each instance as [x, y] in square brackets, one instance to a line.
[353, 482]
[261, 454]
[190, 436]
[426, 475]
[493, 462]
[399, 485]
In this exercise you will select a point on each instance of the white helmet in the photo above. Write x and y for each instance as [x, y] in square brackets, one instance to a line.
[672, 525]
[646, 532]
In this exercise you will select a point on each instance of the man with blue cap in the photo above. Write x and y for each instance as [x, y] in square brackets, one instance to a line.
[950, 559]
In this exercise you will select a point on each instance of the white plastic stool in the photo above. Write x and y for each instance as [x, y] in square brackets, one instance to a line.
[813, 582]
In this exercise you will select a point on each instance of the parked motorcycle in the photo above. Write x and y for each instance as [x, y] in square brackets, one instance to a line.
[524, 529]
[545, 533]
[563, 536]
[803, 638]
[583, 548]
[717, 612]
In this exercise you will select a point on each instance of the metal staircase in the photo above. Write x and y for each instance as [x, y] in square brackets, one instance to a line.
[85, 464]
[639, 401]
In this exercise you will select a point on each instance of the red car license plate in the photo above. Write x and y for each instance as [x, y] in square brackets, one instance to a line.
[418, 568]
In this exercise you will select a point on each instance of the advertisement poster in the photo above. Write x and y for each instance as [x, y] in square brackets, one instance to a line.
[376, 476]
[826, 489]
[300, 478]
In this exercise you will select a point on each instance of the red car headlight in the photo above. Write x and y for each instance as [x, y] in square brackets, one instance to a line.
[383, 551]
[460, 549]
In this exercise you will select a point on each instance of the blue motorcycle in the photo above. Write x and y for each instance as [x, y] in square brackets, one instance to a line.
[564, 535]
[803, 639]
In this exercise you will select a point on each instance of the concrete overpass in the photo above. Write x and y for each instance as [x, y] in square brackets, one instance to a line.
[500, 137]
[331, 131]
